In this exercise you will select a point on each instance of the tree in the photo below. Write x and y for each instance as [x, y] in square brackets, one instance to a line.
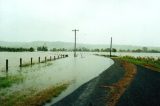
[145, 49]
[43, 48]
[31, 49]
[54, 49]
[114, 50]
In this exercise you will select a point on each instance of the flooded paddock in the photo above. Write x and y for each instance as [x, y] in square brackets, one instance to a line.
[75, 71]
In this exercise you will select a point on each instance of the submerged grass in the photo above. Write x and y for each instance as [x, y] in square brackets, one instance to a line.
[34, 63]
[9, 80]
[33, 98]
[43, 61]
[27, 64]
[48, 64]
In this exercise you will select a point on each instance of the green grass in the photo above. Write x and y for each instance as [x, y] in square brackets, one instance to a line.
[9, 80]
[143, 61]
[33, 98]
[148, 62]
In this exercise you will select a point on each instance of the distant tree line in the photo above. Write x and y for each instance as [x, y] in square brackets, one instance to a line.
[83, 49]
[11, 49]
[143, 50]
[58, 49]
[80, 49]
[104, 50]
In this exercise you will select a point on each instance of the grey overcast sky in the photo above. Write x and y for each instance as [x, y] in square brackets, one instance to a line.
[129, 22]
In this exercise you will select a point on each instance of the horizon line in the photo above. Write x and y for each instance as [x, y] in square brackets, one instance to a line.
[73, 42]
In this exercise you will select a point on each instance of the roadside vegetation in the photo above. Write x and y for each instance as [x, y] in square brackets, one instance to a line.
[33, 98]
[147, 62]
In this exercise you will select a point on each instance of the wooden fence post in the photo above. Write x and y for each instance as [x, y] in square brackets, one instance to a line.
[39, 59]
[31, 60]
[6, 65]
[20, 62]
[45, 59]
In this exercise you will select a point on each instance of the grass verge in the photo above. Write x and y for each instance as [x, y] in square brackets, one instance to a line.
[23, 98]
[148, 62]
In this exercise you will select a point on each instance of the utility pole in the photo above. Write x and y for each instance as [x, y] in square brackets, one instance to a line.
[75, 30]
[111, 48]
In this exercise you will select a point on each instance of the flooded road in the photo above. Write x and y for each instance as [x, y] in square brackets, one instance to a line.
[77, 71]
[82, 70]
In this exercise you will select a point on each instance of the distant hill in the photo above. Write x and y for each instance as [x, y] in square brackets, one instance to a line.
[68, 45]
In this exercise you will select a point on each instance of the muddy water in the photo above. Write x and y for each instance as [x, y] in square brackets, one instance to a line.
[77, 71]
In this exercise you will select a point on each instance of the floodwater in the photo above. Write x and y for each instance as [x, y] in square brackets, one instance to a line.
[77, 71]
[14, 58]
